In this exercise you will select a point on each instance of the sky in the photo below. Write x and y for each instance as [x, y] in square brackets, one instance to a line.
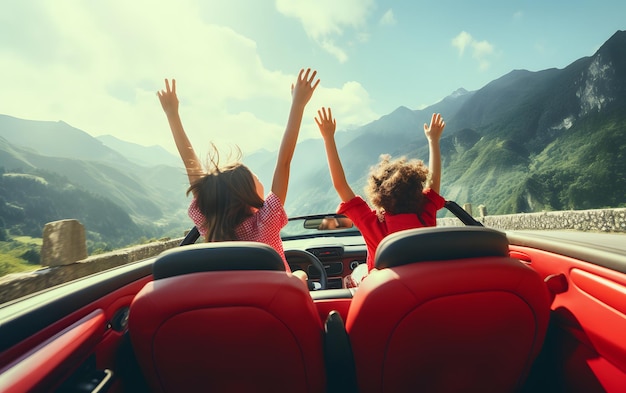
[97, 64]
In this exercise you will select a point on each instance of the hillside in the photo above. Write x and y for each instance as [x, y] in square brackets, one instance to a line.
[56, 139]
[525, 142]
[144, 201]
[550, 140]
[29, 201]
[528, 141]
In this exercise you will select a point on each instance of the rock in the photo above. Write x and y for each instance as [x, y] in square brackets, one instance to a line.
[63, 243]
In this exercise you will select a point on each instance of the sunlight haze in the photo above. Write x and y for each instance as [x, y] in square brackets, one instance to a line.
[97, 65]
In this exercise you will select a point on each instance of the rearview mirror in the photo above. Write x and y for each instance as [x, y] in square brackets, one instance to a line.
[329, 223]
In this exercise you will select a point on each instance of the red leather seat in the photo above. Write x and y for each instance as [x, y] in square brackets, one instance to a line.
[447, 311]
[200, 326]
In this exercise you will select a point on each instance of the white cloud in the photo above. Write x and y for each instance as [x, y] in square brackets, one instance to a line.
[351, 105]
[106, 60]
[323, 19]
[330, 47]
[388, 19]
[461, 41]
[481, 50]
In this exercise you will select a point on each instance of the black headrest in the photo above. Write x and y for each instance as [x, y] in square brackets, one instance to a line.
[216, 256]
[440, 243]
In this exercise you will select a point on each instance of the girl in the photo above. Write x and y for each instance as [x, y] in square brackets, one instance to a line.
[405, 194]
[228, 202]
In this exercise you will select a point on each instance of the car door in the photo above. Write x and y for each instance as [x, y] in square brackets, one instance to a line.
[73, 337]
[585, 350]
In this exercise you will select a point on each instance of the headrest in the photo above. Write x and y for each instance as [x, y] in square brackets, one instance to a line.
[439, 243]
[216, 256]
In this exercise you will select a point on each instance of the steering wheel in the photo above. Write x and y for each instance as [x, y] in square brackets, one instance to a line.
[313, 260]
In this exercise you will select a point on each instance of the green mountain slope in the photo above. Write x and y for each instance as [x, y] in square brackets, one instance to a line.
[528, 141]
[142, 200]
[29, 201]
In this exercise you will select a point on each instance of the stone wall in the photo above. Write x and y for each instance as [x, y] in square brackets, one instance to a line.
[17, 285]
[599, 220]
[14, 286]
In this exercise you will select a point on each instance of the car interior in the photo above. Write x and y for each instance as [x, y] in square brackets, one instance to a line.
[447, 309]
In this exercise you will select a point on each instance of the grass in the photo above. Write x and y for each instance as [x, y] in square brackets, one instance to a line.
[13, 252]
[37, 241]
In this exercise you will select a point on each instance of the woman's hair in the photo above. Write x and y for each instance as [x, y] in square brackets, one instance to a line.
[225, 196]
[396, 186]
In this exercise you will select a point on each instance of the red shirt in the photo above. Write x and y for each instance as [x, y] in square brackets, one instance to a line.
[263, 226]
[375, 228]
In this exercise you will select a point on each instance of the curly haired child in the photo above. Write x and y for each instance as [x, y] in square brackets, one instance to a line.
[228, 201]
[404, 193]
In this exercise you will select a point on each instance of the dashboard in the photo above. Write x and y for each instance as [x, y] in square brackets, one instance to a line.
[339, 255]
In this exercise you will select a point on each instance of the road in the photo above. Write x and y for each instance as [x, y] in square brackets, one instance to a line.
[615, 242]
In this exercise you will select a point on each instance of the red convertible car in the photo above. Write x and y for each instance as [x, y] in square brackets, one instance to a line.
[448, 309]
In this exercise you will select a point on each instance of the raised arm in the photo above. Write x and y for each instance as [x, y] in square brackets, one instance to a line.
[301, 93]
[169, 102]
[433, 134]
[327, 126]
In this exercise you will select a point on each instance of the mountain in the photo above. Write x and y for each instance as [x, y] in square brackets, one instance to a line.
[56, 139]
[310, 187]
[140, 155]
[31, 200]
[152, 196]
[550, 140]
[528, 141]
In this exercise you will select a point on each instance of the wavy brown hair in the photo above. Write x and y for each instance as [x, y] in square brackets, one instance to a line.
[395, 186]
[225, 197]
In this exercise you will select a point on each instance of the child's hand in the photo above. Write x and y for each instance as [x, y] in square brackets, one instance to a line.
[303, 89]
[168, 98]
[434, 131]
[326, 123]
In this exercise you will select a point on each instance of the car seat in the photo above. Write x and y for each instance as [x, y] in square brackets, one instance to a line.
[226, 317]
[447, 310]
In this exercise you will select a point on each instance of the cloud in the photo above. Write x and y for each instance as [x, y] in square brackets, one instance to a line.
[351, 105]
[388, 19]
[103, 79]
[481, 50]
[461, 41]
[330, 47]
[323, 20]
[98, 65]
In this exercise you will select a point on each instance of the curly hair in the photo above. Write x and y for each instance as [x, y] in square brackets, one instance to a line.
[225, 196]
[395, 186]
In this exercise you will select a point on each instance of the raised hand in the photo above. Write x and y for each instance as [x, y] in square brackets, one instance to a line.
[327, 126]
[304, 87]
[433, 134]
[435, 129]
[301, 93]
[169, 102]
[326, 123]
[168, 98]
